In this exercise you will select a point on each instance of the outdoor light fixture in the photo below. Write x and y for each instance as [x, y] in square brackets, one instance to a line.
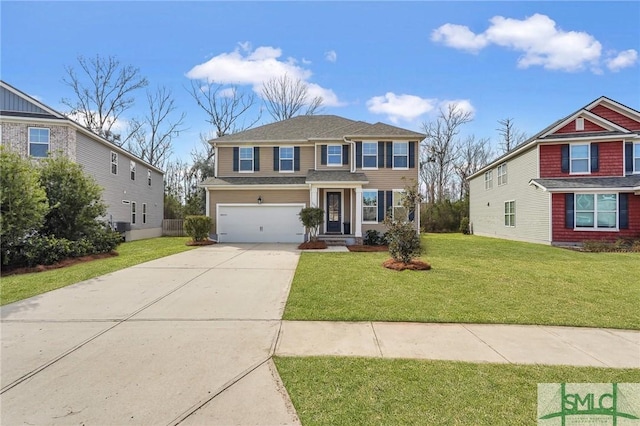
[259, 199]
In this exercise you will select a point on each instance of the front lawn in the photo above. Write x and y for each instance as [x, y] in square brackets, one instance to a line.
[18, 287]
[368, 391]
[473, 280]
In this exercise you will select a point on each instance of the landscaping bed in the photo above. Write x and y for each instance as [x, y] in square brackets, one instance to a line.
[366, 248]
[313, 245]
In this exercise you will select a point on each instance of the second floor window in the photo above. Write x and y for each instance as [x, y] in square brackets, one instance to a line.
[114, 163]
[400, 155]
[636, 157]
[286, 159]
[502, 174]
[334, 155]
[38, 142]
[579, 158]
[488, 180]
[370, 155]
[132, 170]
[246, 159]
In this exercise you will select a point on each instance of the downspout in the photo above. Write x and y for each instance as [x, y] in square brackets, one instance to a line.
[353, 153]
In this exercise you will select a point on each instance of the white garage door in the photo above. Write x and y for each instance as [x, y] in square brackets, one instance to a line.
[276, 223]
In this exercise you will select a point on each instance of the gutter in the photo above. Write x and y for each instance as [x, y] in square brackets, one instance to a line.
[353, 153]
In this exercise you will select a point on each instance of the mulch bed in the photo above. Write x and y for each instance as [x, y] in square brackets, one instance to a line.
[62, 264]
[363, 248]
[414, 265]
[313, 245]
[200, 243]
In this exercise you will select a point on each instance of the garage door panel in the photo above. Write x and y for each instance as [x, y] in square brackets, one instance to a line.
[260, 223]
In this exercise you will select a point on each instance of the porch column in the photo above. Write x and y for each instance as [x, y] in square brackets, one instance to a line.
[314, 197]
[358, 225]
[207, 207]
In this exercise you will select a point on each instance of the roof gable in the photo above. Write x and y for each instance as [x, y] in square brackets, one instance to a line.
[17, 103]
[592, 123]
[621, 115]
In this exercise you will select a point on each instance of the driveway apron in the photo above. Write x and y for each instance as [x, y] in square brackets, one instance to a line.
[182, 339]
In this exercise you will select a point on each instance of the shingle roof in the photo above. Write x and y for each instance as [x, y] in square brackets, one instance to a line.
[630, 182]
[335, 176]
[255, 180]
[313, 127]
[584, 135]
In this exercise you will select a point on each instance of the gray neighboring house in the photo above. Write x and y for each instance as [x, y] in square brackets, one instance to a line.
[133, 189]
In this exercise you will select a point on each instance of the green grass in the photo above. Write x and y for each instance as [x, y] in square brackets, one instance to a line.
[18, 287]
[361, 391]
[473, 280]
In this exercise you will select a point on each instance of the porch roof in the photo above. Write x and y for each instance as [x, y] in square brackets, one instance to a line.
[315, 176]
[588, 183]
[254, 180]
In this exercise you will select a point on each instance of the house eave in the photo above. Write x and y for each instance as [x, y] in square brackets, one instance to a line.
[253, 186]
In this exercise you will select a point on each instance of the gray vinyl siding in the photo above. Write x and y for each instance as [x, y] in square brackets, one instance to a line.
[95, 158]
[531, 204]
[11, 102]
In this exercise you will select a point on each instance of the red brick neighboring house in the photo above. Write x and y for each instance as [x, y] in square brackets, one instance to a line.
[577, 180]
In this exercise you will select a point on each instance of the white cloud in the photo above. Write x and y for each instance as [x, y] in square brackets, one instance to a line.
[400, 107]
[624, 59]
[253, 67]
[539, 39]
[461, 105]
[119, 126]
[331, 56]
[306, 61]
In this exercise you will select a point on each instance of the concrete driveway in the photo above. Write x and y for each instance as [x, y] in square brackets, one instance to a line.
[184, 339]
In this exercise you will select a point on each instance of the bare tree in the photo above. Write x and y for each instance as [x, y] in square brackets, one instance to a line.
[440, 149]
[472, 156]
[224, 106]
[510, 136]
[151, 140]
[285, 97]
[103, 90]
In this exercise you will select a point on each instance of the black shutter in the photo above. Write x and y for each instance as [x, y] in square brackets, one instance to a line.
[296, 158]
[628, 157]
[565, 158]
[594, 157]
[236, 158]
[276, 158]
[256, 158]
[623, 205]
[389, 155]
[323, 155]
[380, 206]
[381, 155]
[568, 211]
[389, 203]
[359, 154]
[345, 155]
[412, 155]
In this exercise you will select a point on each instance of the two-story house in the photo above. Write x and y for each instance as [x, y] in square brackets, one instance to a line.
[576, 180]
[351, 169]
[132, 189]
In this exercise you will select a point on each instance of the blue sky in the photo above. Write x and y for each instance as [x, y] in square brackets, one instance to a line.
[395, 62]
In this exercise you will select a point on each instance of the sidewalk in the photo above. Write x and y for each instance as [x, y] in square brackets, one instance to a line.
[517, 344]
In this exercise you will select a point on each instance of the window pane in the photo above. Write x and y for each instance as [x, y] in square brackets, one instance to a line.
[286, 165]
[400, 148]
[369, 161]
[369, 148]
[286, 153]
[606, 220]
[246, 153]
[399, 161]
[246, 165]
[579, 151]
[38, 149]
[607, 202]
[334, 149]
[584, 202]
[637, 165]
[369, 198]
[636, 150]
[369, 214]
[579, 166]
[584, 220]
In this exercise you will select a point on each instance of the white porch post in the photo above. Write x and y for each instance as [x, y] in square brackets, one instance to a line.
[314, 196]
[358, 224]
[207, 207]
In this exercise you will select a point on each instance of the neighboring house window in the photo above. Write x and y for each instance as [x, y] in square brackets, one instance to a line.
[132, 170]
[148, 177]
[144, 212]
[370, 155]
[488, 179]
[133, 212]
[370, 205]
[246, 159]
[596, 210]
[510, 213]
[579, 158]
[286, 158]
[502, 174]
[38, 142]
[334, 155]
[401, 155]
[114, 163]
[636, 157]
[399, 212]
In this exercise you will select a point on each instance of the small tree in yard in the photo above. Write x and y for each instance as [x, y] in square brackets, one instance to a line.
[197, 227]
[311, 218]
[404, 241]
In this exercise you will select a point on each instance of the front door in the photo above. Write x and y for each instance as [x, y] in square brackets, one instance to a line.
[333, 212]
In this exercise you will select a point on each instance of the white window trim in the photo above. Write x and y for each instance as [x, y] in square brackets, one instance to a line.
[112, 163]
[240, 159]
[364, 206]
[134, 212]
[595, 227]
[370, 155]
[293, 159]
[48, 144]
[512, 214]
[571, 172]
[488, 180]
[394, 155]
[144, 213]
[132, 170]
[501, 172]
[579, 124]
[339, 164]
[634, 158]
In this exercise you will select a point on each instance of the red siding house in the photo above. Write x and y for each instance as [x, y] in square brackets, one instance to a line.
[577, 180]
